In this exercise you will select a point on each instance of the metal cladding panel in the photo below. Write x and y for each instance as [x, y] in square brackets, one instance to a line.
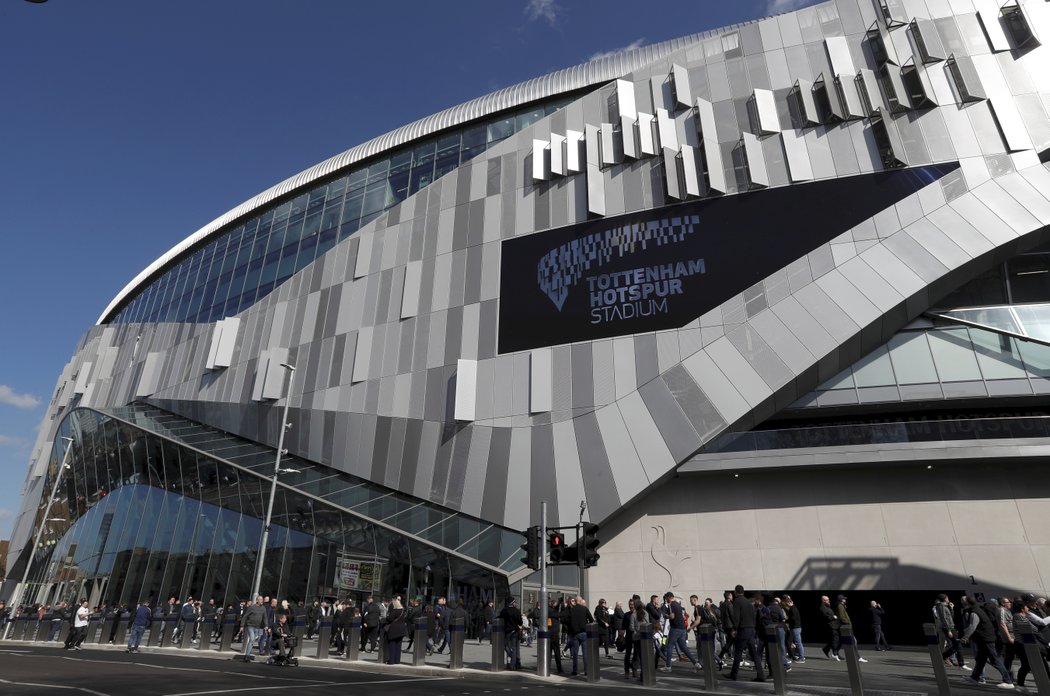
[716, 176]
[646, 140]
[541, 379]
[410, 294]
[150, 377]
[851, 101]
[671, 175]
[608, 145]
[993, 29]
[683, 93]
[227, 341]
[665, 126]
[807, 103]
[574, 159]
[766, 109]
[629, 132]
[466, 389]
[869, 88]
[625, 101]
[690, 171]
[799, 166]
[756, 163]
[83, 374]
[540, 161]
[558, 154]
[839, 55]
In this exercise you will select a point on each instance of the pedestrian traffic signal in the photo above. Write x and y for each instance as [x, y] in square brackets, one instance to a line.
[531, 547]
[589, 545]
[560, 553]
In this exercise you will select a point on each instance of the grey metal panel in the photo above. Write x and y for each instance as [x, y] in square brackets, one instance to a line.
[756, 164]
[993, 29]
[625, 101]
[629, 133]
[540, 160]
[656, 458]
[1012, 212]
[766, 111]
[712, 154]
[672, 177]
[847, 296]
[985, 221]
[541, 378]
[569, 488]
[598, 480]
[611, 154]
[690, 170]
[804, 94]
[628, 472]
[680, 86]
[557, 152]
[575, 161]
[747, 381]
[828, 314]
[624, 364]
[676, 430]
[717, 386]
[779, 337]
[797, 155]
[666, 127]
[759, 355]
[839, 55]
[149, 379]
[928, 40]
[846, 85]
[915, 256]
[646, 139]
[1031, 200]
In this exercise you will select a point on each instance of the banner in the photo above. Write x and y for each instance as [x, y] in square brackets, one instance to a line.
[359, 575]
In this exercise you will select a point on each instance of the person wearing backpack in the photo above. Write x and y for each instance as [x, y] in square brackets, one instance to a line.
[979, 629]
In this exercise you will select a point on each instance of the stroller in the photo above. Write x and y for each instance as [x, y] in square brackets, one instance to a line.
[284, 650]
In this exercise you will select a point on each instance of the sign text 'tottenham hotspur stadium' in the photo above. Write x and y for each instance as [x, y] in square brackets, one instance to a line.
[620, 294]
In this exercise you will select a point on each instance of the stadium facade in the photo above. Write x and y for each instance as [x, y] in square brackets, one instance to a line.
[772, 301]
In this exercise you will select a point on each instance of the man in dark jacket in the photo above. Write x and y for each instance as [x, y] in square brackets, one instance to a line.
[602, 618]
[979, 628]
[579, 617]
[877, 613]
[744, 618]
[554, 620]
[441, 619]
[832, 622]
[512, 625]
[143, 619]
[371, 614]
[253, 621]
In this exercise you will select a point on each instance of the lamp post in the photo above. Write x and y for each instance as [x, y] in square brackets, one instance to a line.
[17, 597]
[260, 558]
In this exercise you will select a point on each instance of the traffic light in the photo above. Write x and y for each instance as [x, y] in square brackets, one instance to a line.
[531, 547]
[561, 553]
[589, 545]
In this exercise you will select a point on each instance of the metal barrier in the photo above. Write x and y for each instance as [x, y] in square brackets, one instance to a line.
[776, 659]
[25, 630]
[299, 630]
[1035, 660]
[229, 627]
[324, 638]
[590, 653]
[457, 629]
[856, 684]
[92, 629]
[63, 632]
[186, 635]
[707, 657]
[156, 632]
[353, 640]
[933, 645]
[168, 636]
[43, 626]
[647, 659]
[106, 627]
[121, 635]
[497, 639]
[543, 652]
[204, 637]
[419, 642]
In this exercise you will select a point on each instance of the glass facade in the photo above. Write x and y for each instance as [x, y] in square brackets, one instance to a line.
[234, 270]
[155, 506]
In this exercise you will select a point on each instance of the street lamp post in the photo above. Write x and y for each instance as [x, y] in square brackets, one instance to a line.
[17, 597]
[260, 558]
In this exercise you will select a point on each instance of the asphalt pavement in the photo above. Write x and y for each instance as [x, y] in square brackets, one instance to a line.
[35, 669]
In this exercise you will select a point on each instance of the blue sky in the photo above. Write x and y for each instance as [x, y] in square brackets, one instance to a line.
[127, 125]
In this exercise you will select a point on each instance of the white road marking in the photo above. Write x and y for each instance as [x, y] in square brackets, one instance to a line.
[53, 686]
[310, 686]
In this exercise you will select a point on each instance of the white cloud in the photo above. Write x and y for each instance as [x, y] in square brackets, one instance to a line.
[6, 514]
[637, 43]
[774, 7]
[546, 10]
[9, 441]
[10, 397]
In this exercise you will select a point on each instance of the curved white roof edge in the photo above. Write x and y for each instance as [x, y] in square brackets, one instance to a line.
[538, 88]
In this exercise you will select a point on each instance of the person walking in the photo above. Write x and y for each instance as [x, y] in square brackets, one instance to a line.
[877, 614]
[843, 616]
[394, 631]
[794, 624]
[143, 619]
[253, 620]
[80, 624]
[831, 647]
[579, 617]
[677, 633]
[979, 629]
[744, 619]
[512, 624]
[944, 620]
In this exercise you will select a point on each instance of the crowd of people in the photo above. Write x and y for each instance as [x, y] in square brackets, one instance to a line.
[979, 632]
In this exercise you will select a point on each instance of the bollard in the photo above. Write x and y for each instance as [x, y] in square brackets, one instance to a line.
[647, 660]
[353, 642]
[856, 684]
[156, 630]
[324, 638]
[121, 636]
[92, 630]
[204, 638]
[63, 632]
[590, 653]
[25, 627]
[170, 622]
[933, 644]
[419, 642]
[707, 657]
[776, 659]
[42, 628]
[299, 631]
[457, 629]
[186, 636]
[1031, 649]
[106, 627]
[543, 652]
[497, 639]
[229, 626]
[382, 644]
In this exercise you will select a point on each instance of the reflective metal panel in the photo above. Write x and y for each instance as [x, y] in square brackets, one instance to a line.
[273, 378]
[756, 164]
[625, 101]
[965, 80]
[683, 95]
[557, 154]
[888, 141]
[993, 29]
[1015, 135]
[691, 170]
[716, 176]
[766, 111]
[927, 40]
[1019, 23]
[595, 181]
[839, 55]
[573, 150]
[668, 135]
[629, 132]
[881, 45]
[610, 151]
[797, 155]
[846, 86]
[227, 341]
[646, 141]
[803, 93]
[671, 176]
[466, 389]
[540, 167]
[868, 87]
[410, 295]
[150, 375]
[540, 380]
[893, 12]
[893, 89]
[828, 99]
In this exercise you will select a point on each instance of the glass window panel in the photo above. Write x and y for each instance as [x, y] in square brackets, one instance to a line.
[953, 355]
[875, 369]
[911, 357]
[1035, 319]
[356, 181]
[500, 130]
[997, 355]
